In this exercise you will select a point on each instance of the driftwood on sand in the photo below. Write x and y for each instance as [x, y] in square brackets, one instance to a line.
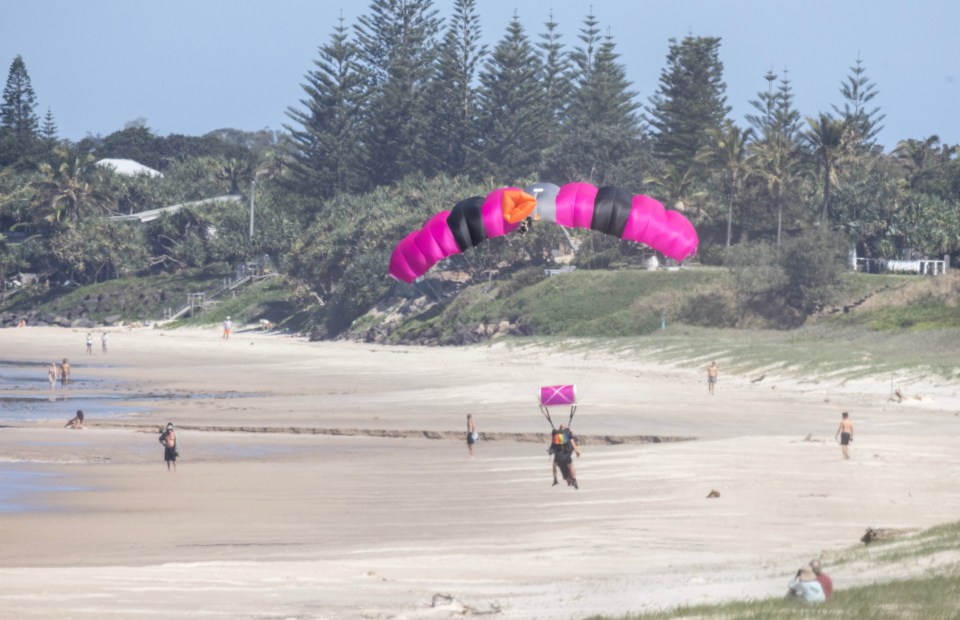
[877, 534]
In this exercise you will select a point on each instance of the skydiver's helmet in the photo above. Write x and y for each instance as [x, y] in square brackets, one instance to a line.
[525, 226]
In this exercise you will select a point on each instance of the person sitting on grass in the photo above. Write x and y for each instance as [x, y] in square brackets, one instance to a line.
[805, 587]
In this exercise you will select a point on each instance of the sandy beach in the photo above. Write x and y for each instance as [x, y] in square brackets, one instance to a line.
[331, 480]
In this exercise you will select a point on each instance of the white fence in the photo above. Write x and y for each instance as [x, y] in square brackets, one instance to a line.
[923, 267]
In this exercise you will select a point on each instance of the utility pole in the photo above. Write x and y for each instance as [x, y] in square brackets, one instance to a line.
[253, 189]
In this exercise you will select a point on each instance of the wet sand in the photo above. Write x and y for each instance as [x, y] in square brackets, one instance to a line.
[331, 480]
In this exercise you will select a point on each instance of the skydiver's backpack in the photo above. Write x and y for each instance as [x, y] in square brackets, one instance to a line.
[561, 443]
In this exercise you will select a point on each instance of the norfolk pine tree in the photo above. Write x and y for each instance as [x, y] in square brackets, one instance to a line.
[453, 114]
[398, 48]
[556, 88]
[510, 110]
[689, 101]
[776, 154]
[326, 153]
[601, 139]
[18, 118]
[858, 92]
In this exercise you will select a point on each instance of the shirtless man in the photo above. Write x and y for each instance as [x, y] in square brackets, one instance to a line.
[712, 372]
[845, 433]
[169, 440]
[471, 433]
[64, 374]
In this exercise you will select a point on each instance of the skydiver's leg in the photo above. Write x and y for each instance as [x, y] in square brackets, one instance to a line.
[555, 482]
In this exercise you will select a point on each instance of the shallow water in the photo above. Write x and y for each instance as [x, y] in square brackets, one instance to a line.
[22, 488]
[25, 397]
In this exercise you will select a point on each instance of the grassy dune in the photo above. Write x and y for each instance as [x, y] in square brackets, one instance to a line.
[934, 596]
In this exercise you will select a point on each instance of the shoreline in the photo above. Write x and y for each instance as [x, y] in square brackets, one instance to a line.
[340, 487]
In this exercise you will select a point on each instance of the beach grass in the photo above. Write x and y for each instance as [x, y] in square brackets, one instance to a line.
[925, 598]
[933, 594]
[815, 353]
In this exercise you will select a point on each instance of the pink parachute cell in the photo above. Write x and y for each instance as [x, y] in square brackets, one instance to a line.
[492, 211]
[575, 205]
[555, 395]
[451, 232]
[422, 249]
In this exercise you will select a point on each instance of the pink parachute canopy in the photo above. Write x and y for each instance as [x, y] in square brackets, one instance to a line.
[609, 210]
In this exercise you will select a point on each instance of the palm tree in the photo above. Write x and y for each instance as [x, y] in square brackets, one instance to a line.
[775, 161]
[727, 150]
[69, 189]
[917, 157]
[828, 139]
[678, 188]
[238, 172]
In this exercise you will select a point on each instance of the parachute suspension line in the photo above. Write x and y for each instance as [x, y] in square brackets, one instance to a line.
[546, 413]
[433, 292]
[573, 248]
[446, 306]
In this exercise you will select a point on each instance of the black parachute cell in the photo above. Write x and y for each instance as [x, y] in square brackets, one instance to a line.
[611, 208]
[466, 223]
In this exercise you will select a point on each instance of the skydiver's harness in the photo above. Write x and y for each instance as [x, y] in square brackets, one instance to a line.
[560, 443]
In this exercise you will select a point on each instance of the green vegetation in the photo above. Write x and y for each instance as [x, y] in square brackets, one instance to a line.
[931, 595]
[151, 299]
[404, 114]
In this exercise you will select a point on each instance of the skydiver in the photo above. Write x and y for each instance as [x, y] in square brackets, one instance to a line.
[562, 446]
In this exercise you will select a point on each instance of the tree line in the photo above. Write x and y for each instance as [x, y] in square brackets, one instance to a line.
[404, 113]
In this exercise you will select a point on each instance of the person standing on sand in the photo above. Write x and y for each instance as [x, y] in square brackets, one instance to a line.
[472, 435]
[169, 440]
[103, 342]
[712, 372]
[845, 433]
[227, 327]
[52, 373]
[89, 343]
[64, 374]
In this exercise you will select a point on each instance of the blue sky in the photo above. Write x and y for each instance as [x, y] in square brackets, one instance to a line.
[192, 66]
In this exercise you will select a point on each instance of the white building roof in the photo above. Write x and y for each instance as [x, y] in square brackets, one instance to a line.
[128, 167]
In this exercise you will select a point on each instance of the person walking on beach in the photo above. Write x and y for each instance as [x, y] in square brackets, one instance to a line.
[712, 372]
[89, 343]
[845, 433]
[64, 374]
[103, 342]
[52, 374]
[472, 435]
[227, 327]
[169, 440]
